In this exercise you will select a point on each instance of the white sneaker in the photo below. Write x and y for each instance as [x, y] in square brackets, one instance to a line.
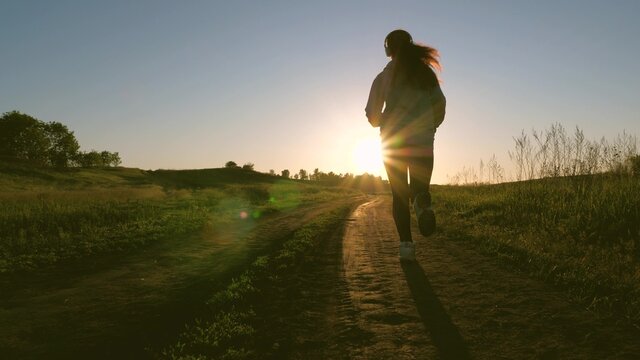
[407, 251]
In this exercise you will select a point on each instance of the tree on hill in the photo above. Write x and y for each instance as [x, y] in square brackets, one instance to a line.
[302, 174]
[89, 159]
[248, 166]
[231, 164]
[110, 158]
[23, 137]
[285, 173]
[63, 144]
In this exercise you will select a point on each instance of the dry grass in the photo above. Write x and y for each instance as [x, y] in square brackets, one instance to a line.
[580, 232]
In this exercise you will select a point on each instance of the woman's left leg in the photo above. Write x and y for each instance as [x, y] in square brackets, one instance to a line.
[397, 173]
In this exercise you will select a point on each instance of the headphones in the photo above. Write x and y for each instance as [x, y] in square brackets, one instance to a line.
[395, 39]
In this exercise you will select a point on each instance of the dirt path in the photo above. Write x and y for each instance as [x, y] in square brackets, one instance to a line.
[453, 303]
[114, 306]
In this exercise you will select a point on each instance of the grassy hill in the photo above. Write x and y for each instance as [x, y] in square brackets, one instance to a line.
[24, 177]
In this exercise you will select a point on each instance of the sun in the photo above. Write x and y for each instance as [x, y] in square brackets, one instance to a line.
[367, 156]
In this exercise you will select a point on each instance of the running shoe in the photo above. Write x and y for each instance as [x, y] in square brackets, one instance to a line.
[424, 213]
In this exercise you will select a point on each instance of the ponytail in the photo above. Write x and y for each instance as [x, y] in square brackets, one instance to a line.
[415, 63]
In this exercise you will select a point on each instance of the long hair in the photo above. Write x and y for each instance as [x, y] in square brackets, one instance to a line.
[415, 63]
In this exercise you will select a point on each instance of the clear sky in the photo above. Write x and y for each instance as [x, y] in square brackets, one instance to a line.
[283, 84]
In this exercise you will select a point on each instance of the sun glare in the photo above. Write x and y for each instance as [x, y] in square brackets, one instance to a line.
[367, 156]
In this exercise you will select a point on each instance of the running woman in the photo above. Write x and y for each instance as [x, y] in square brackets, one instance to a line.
[406, 102]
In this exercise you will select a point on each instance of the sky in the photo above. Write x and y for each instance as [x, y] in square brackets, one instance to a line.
[283, 84]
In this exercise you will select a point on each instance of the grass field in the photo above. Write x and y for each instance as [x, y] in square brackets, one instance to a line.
[50, 216]
[153, 243]
[582, 233]
[180, 228]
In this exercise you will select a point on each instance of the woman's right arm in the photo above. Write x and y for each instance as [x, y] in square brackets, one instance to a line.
[375, 102]
[378, 95]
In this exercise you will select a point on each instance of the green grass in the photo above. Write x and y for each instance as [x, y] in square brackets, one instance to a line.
[581, 233]
[52, 216]
[235, 326]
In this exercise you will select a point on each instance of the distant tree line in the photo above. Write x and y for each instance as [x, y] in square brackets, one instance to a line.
[234, 165]
[25, 138]
[365, 182]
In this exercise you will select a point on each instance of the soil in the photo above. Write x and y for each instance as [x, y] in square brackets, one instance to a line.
[361, 302]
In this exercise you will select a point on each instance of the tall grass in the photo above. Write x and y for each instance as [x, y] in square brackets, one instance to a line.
[554, 152]
[572, 216]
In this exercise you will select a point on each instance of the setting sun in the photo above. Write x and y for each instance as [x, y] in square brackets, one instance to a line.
[367, 157]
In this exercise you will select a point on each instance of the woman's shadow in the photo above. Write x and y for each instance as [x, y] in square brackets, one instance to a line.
[437, 322]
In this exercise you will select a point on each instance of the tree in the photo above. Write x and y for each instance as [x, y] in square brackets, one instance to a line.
[296, 176]
[231, 164]
[303, 174]
[63, 144]
[110, 158]
[90, 159]
[316, 174]
[23, 137]
[248, 166]
[272, 172]
[285, 173]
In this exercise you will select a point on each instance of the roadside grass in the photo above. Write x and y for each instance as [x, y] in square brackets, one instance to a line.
[235, 326]
[581, 233]
[51, 216]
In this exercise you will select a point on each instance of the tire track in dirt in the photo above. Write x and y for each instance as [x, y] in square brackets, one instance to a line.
[453, 303]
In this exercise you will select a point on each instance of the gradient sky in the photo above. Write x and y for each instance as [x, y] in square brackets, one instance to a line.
[283, 84]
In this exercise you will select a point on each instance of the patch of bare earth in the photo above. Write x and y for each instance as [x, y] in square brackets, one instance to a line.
[452, 303]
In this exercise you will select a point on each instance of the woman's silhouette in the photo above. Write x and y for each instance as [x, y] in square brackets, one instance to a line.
[406, 102]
